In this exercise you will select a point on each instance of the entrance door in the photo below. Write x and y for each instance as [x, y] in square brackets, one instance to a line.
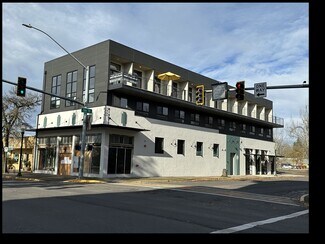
[231, 168]
[119, 160]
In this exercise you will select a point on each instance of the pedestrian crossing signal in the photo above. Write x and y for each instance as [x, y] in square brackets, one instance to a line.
[199, 95]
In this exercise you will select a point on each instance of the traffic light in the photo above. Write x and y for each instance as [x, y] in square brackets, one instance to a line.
[21, 87]
[240, 90]
[199, 95]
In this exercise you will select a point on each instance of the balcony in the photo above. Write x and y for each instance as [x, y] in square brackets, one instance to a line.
[124, 78]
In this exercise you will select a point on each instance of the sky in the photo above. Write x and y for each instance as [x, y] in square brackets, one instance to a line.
[229, 42]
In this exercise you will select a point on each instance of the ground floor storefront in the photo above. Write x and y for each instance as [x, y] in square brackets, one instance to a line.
[118, 152]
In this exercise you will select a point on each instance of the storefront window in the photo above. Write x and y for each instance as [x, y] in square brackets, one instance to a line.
[92, 154]
[47, 153]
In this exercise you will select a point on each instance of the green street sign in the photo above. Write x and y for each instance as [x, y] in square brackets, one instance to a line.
[86, 110]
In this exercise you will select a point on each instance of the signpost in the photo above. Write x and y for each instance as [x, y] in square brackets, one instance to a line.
[86, 110]
[260, 89]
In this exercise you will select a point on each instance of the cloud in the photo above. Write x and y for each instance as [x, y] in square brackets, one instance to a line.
[255, 42]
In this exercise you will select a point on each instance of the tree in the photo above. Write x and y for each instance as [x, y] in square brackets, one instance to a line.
[299, 131]
[16, 111]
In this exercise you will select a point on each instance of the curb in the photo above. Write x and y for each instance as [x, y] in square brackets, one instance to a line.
[305, 199]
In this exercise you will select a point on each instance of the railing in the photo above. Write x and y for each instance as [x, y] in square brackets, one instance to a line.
[277, 120]
[124, 78]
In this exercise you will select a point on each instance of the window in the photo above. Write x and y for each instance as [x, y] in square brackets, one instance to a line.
[195, 119]
[215, 150]
[144, 107]
[208, 121]
[174, 89]
[55, 89]
[138, 75]
[269, 132]
[71, 87]
[157, 85]
[243, 127]
[221, 122]
[262, 130]
[91, 87]
[199, 148]
[159, 145]
[180, 147]
[179, 116]
[253, 129]
[162, 110]
[120, 102]
[190, 94]
[114, 68]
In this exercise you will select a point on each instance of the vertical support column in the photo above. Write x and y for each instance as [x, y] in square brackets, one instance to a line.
[104, 154]
[150, 80]
[73, 143]
[254, 162]
[56, 165]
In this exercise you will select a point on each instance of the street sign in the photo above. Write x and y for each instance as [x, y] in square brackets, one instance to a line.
[86, 110]
[260, 89]
[219, 91]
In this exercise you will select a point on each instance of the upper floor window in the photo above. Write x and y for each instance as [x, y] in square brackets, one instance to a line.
[157, 85]
[253, 129]
[174, 89]
[71, 87]
[221, 122]
[179, 115]
[120, 102]
[138, 74]
[162, 110]
[144, 107]
[195, 119]
[209, 121]
[114, 68]
[91, 87]
[190, 94]
[55, 89]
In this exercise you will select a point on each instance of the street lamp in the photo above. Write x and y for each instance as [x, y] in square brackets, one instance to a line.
[22, 131]
[85, 101]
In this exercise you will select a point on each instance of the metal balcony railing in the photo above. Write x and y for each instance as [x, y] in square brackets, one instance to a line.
[277, 120]
[124, 78]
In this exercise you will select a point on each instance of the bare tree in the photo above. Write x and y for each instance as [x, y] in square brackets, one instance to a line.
[299, 131]
[16, 111]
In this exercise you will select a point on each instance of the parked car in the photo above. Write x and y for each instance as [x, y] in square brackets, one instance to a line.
[286, 166]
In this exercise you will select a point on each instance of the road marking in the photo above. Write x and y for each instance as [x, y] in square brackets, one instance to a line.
[263, 222]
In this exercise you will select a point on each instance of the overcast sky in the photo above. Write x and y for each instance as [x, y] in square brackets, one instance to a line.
[229, 42]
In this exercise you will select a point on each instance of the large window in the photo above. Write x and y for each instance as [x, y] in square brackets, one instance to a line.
[159, 145]
[71, 87]
[91, 87]
[120, 154]
[114, 68]
[55, 89]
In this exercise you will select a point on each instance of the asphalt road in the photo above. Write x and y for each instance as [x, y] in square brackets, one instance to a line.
[236, 207]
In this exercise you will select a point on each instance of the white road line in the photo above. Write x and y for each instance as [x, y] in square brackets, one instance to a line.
[262, 222]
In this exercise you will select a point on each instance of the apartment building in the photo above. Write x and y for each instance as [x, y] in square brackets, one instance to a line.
[142, 126]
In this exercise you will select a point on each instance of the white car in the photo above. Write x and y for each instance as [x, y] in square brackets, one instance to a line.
[286, 166]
